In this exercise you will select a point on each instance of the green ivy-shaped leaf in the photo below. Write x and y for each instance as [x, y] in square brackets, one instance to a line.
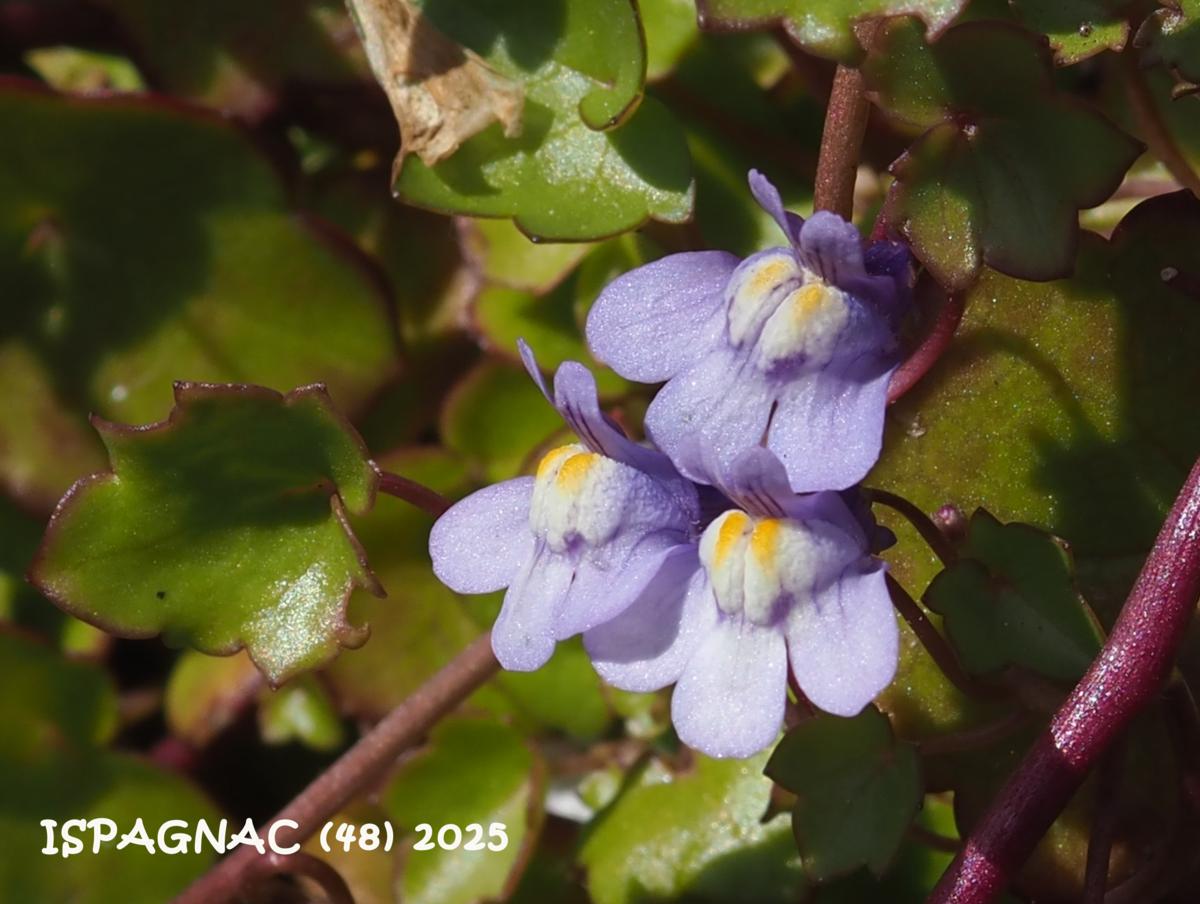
[825, 27]
[1005, 162]
[593, 157]
[1077, 29]
[452, 781]
[1066, 405]
[1011, 601]
[143, 242]
[857, 791]
[699, 836]
[1172, 36]
[223, 526]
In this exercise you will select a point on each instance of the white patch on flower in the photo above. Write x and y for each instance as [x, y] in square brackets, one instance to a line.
[787, 312]
[582, 494]
[759, 565]
[755, 290]
[807, 325]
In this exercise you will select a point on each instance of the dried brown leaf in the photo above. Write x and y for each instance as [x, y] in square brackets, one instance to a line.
[441, 93]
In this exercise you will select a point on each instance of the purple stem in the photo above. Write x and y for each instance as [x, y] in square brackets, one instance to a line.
[932, 347]
[845, 125]
[358, 768]
[414, 493]
[1127, 675]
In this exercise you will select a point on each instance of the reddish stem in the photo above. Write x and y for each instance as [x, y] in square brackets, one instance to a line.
[933, 642]
[845, 125]
[976, 738]
[925, 355]
[1104, 826]
[412, 492]
[1127, 675]
[358, 768]
[922, 523]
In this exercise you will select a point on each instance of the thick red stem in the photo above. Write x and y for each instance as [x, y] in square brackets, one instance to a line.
[1128, 674]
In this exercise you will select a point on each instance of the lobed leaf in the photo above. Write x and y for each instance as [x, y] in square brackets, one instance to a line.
[1005, 162]
[700, 835]
[1171, 36]
[142, 242]
[1077, 29]
[857, 791]
[1066, 405]
[825, 27]
[593, 158]
[222, 526]
[1012, 601]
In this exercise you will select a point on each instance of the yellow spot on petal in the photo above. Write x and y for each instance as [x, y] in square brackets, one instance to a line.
[807, 300]
[764, 542]
[769, 275]
[732, 528]
[575, 469]
[552, 459]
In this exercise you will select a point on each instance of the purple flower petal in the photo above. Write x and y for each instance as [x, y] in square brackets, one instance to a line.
[654, 321]
[601, 592]
[480, 543]
[843, 644]
[767, 196]
[647, 646]
[828, 427]
[532, 368]
[729, 701]
[705, 417]
[576, 399]
[523, 636]
[758, 484]
[831, 248]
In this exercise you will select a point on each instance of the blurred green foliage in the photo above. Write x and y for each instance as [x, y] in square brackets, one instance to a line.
[203, 192]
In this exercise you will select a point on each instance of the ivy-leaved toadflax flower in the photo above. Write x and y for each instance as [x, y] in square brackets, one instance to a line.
[782, 581]
[574, 544]
[792, 348]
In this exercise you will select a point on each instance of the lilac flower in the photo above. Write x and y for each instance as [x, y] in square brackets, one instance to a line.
[792, 348]
[575, 544]
[784, 579]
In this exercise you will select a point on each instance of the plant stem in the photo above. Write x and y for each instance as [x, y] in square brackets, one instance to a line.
[1104, 825]
[974, 738]
[845, 125]
[933, 642]
[924, 525]
[1158, 137]
[358, 768]
[1128, 674]
[935, 343]
[412, 492]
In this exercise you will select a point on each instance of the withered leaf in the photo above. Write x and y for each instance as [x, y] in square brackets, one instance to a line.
[441, 93]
